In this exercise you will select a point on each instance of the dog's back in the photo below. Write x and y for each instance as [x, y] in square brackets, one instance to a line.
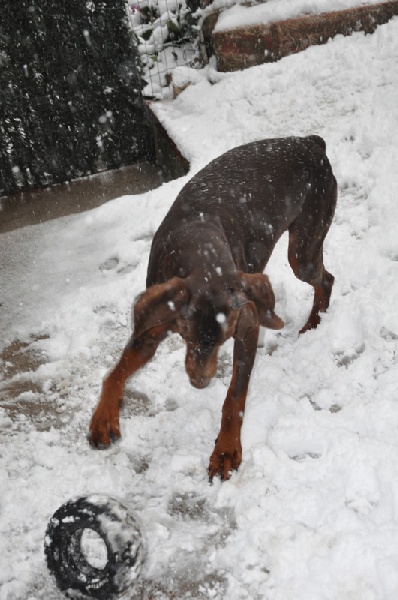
[251, 194]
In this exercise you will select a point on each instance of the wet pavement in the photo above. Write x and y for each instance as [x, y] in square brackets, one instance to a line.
[19, 360]
[38, 206]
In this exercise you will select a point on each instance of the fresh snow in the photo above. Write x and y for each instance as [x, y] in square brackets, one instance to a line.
[312, 514]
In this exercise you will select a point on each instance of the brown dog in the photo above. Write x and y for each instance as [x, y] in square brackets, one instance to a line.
[205, 276]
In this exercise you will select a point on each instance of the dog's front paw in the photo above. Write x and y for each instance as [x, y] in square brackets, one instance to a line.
[104, 427]
[226, 458]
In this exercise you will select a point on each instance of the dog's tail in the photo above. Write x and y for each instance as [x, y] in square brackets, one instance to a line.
[318, 140]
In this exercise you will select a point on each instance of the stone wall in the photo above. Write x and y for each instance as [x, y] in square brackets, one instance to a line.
[245, 47]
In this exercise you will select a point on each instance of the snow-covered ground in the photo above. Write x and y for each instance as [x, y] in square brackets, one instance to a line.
[312, 514]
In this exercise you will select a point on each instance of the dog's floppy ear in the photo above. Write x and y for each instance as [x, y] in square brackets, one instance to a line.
[258, 289]
[159, 304]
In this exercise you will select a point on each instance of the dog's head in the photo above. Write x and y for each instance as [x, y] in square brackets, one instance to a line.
[205, 314]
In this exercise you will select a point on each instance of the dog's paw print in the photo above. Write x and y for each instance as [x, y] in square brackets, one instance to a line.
[187, 506]
[136, 404]
[304, 455]
[109, 264]
[345, 358]
[127, 268]
[388, 335]
[113, 263]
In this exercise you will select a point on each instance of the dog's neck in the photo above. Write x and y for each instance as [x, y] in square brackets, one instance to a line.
[197, 248]
[204, 247]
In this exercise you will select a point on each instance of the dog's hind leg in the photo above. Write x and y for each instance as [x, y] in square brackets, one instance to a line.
[306, 237]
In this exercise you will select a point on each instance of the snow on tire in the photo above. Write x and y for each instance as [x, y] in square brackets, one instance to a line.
[93, 547]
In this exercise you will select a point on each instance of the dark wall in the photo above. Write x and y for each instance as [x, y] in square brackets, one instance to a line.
[70, 94]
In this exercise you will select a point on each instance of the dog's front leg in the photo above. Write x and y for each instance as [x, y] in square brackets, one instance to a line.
[227, 453]
[105, 421]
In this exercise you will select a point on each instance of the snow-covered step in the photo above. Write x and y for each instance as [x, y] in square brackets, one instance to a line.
[238, 46]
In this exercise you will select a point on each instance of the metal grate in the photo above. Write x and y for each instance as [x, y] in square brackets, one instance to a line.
[166, 34]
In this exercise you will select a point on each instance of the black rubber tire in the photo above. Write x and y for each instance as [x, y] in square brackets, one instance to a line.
[120, 533]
